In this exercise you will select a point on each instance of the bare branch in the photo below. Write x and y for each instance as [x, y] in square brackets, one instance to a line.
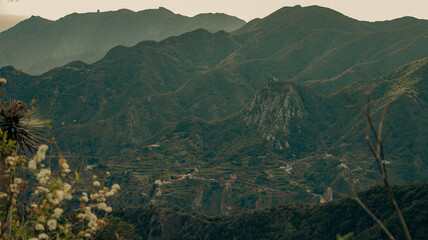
[379, 156]
[386, 133]
[352, 101]
[380, 159]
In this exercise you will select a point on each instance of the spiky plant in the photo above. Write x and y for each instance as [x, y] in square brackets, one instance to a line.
[22, 125]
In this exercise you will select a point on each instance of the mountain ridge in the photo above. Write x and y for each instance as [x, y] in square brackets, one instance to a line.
[36, 39]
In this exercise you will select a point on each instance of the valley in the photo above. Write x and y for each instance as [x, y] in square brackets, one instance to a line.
[212, 120]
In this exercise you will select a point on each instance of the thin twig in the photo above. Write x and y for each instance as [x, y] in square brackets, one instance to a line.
[352, 102]
[379, 156]
[380, 159]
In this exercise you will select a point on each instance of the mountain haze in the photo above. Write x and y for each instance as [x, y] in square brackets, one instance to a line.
[37, 45]
[8, 21]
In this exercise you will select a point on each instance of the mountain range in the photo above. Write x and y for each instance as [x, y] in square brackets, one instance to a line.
[223, 122]
[37, 45]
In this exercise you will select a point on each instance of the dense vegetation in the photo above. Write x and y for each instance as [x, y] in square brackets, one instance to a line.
[292, 221]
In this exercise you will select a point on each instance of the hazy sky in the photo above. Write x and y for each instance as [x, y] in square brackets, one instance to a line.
[370, 10]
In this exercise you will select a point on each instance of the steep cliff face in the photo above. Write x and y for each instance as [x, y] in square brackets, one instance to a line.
[275, 106]
[278, 112]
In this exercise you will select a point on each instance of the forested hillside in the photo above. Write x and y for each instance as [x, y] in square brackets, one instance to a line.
[326, 221]
[223, 122]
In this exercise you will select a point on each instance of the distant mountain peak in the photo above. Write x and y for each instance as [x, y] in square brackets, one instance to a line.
[36, 19]
[164, 9]
[311, 17]
[125, 10]
[25, 27]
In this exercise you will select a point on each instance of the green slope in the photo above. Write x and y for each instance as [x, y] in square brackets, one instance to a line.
[286, 125]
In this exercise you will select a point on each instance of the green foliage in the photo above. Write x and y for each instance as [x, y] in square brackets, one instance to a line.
[116, 227]
[344, 237]
[340, 219]
[22, 125]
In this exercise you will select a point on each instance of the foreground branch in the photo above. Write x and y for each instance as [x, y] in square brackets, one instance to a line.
[379, 155]
[361, 203]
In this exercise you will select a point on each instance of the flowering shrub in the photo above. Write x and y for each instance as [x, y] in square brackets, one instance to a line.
[43, 217]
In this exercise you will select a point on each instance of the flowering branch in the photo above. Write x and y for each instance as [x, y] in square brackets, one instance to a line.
[46, 219]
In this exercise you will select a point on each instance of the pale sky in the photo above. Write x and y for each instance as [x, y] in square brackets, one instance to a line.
[369, 10]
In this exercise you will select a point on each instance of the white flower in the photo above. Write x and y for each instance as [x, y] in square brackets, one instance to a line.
[80, 216]
[96, 184]
[88, 235]
[10, 161]
[67, 191]
[66, 187]
[34, 239]
[113, 190]
[43, 176]
[87, 211]
[52, 224]
[3, 195]
[115, 187]
[110, 193]
[67, 195]
[14, 188]
[54, 201]
[108, 209]
[59, 194]
[41, 153]
[108, 174]
[65, 167]
[84, 199]
[39, 227]
[40, 189]
[93, 221]
[32, 164]
[57, 212]
[102, 206]
[43, 236]
[99, 197]
[18, 180]
[42, 149]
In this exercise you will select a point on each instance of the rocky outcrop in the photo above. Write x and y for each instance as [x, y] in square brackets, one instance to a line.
[276, 109]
